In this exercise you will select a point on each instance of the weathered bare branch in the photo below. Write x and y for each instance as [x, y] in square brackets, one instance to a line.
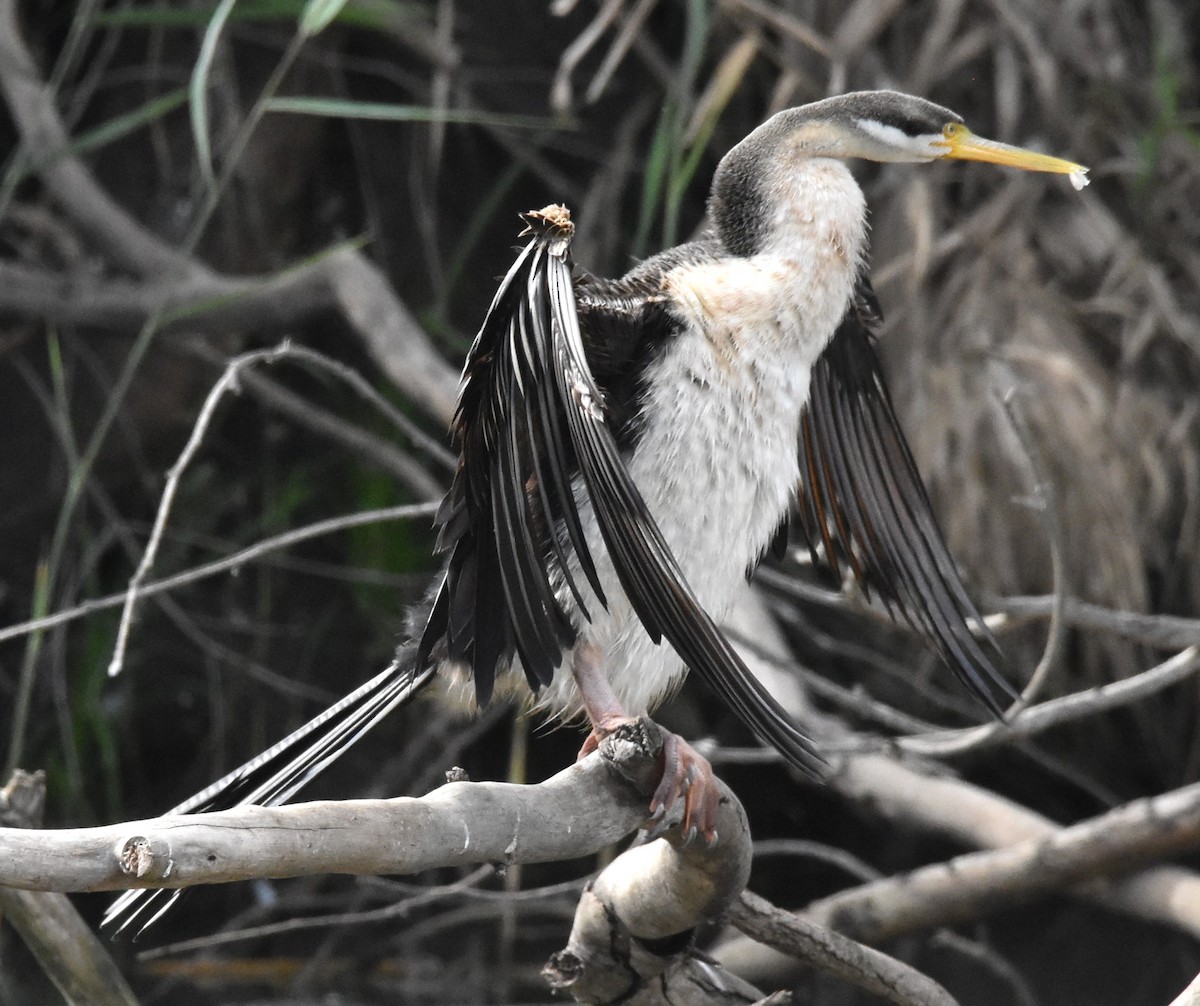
[65, 946]
[575, 813]
[835, 954]
[631, 938]
[972, 885]
[230, 562]
[913, 794]
[1076, 706]
[973, 816]
[45, 143]
[344, 281]
[1164, 631]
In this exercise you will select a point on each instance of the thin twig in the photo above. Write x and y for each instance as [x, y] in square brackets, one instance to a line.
[388, 913]
[1046, 505]
[229, 562]
[227, 382]
[1069, 708]
[430, 446]
[1168, 632]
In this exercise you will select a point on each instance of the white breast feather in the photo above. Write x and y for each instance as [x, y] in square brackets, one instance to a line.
[717, 461]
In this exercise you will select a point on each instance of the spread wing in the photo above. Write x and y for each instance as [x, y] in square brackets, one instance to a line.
[864, 500]
[536, 441]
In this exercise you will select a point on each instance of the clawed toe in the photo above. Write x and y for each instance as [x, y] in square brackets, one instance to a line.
[687, 774]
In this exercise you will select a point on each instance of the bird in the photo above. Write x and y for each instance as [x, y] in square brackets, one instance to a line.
[629, 449]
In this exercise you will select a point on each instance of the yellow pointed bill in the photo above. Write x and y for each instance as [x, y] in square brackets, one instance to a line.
[964, 145]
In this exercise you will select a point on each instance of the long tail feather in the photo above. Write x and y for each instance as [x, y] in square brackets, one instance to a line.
[277, 774]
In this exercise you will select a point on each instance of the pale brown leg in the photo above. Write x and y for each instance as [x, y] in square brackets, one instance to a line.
[685, 773]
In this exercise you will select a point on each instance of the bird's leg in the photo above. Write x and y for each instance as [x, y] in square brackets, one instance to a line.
[685, 772]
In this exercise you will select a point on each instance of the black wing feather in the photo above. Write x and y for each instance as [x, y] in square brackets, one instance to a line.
[530, 396]
[498, 524]
[864, 501]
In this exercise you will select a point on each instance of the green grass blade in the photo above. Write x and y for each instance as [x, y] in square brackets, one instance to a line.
[318, 15]
[655, 177]
[198, 89]
[377, 15]
[122, 125]
[339, 108]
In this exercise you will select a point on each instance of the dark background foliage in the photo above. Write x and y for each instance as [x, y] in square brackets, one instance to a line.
[1085, 304]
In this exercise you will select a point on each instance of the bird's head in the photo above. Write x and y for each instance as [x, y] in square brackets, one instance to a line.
[890, 126]
[884, 126]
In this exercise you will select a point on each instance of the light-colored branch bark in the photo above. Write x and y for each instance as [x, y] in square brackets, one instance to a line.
[344, 281]
[63, 944]
[1167, 632]
[972, 885]
[1076, 706]
[632, 932]
[835, 954]
[69, 952]
[392, 336]
[631, 939]
[575, 813]
[653, 895]
[976, 817]
[970, 815]
[633, 925]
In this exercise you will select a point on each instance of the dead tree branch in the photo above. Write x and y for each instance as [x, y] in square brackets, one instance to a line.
[575, 813]
[64, 945]
[653, 895]
[248, 554]
[836, 954]
[975, 884]
[912, 794]
[973, 816]
[631, 938]
[1054, 712]
[44, 144]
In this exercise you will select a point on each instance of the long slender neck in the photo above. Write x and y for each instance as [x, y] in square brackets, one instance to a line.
[780, 192]
[761, 181]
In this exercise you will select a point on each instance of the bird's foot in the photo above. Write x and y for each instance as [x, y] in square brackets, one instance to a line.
[685, 773]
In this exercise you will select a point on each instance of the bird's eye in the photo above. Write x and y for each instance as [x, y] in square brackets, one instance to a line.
[952, 129]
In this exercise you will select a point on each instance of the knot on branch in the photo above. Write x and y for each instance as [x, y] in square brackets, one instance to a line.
[144, 858]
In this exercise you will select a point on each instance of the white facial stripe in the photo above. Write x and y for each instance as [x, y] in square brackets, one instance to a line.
[924, 147]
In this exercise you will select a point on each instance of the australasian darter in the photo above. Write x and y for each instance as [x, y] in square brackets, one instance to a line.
[629, 449]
